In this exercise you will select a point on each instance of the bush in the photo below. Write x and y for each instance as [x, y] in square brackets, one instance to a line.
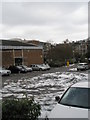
[21, 109]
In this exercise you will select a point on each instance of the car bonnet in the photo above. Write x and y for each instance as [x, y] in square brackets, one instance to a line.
[62, 111]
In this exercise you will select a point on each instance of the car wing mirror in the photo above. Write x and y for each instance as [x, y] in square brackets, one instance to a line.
[57, 98]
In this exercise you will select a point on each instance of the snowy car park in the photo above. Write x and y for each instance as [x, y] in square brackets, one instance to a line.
[43, 87]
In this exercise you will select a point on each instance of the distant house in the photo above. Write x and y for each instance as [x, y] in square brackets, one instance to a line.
[16, 52]
[80, 47]
[46, 46]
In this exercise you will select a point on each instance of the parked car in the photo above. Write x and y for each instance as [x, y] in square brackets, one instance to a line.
[28, 69]
[47, 66]
[22, 70]
[17, 69]
[74, 103]
[4, 72]
[42, 67]
[82, 66]
[38, 67]
[35, 67]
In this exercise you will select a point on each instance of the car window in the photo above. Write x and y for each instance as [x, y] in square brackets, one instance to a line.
[37, 65]
[3, 68]
[31, 65]
[78, 97]
[81, 64]
[86, 64]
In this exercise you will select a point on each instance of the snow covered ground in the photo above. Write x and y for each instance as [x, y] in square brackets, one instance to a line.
[43, 88]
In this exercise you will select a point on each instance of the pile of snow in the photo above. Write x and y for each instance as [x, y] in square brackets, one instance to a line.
[73, 69]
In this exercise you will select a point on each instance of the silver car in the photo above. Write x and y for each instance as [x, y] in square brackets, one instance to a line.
[4, 72]
[82, 66]
[38, 67]
[74, 103]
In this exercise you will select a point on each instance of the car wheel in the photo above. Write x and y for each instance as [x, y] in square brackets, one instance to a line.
[85, 69]
[19, 72]
[40, 69]
[77, 69]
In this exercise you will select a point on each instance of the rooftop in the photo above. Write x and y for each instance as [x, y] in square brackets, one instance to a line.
[15, 43]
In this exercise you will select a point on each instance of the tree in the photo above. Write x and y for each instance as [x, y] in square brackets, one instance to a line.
[20, 109]
[88, 52]
[77, 56]
[60, 53]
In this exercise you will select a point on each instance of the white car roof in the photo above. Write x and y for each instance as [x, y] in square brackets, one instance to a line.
[82, 63]
[82, 84]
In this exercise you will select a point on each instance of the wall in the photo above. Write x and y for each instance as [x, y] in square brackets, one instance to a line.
[29, 57]
[7, 58]
[33, 57]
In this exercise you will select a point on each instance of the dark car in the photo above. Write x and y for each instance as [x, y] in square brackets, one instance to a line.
[17, 69]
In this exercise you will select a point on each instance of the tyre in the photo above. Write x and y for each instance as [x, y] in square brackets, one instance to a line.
[40, 69]
[85, 69]
[77, 69]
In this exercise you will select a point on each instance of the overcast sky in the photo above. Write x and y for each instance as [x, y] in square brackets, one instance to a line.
[54, 21]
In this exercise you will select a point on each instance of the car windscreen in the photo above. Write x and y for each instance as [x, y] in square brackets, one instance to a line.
[76, 97]
[19, 67]
[24, 66]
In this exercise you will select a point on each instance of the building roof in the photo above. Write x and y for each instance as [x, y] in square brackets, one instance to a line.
[17, 44]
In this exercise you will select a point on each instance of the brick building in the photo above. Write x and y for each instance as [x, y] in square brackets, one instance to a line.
[18, 52]
[45, 45]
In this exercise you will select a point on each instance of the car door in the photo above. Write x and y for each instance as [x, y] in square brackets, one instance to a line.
[87, 66]
[33, 67]
[37, 67]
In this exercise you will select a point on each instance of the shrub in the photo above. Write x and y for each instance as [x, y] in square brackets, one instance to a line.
[21, 109]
